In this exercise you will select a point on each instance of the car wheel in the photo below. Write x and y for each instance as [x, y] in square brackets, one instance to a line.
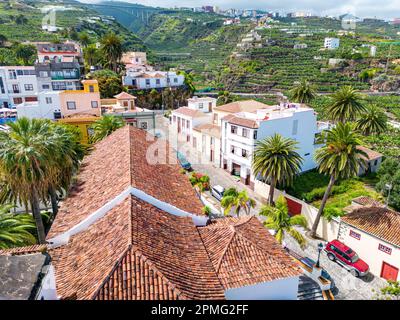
[331, 257]
[355, 273]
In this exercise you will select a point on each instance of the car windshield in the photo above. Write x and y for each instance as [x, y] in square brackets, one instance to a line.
[354, 258]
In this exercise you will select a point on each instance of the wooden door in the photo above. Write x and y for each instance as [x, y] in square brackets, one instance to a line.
[389, 272]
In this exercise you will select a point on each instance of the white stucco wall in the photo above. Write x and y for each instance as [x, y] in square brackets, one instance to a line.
[283, 289]
[367, 249]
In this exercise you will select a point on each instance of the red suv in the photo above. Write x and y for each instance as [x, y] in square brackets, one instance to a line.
[339, 252]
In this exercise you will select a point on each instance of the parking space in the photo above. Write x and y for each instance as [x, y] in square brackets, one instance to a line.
[348, 287]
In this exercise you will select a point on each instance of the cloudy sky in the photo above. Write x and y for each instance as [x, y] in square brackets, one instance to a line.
[361, 8]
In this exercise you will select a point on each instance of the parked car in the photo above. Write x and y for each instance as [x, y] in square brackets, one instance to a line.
[183, 162]
[218, 192]
[342, 254]
[311, 263]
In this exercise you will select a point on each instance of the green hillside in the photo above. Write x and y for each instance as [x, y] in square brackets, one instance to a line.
[71, 17]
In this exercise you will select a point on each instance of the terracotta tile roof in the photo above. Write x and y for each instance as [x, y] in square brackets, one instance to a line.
[377, 221]
[208, 128]
[372, 155]
[37, 248]
[244, 253]
[120, 161]
[190, 112]
[367, 201]
[136, 251]
[124, 95]
[248, 123]
[242, 106]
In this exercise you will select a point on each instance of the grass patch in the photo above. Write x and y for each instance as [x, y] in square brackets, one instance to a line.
[311, 186]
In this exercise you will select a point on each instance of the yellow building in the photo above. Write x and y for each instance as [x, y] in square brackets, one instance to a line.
[83, 123]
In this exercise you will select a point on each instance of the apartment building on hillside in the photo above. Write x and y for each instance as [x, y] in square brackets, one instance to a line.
[241, 131]
[17, 85]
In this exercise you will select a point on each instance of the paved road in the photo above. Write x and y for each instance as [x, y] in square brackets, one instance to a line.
[348, 287]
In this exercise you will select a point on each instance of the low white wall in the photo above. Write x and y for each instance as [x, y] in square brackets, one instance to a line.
[283, 289]
[326, 230]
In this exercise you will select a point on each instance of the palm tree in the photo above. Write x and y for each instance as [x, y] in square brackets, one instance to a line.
[105, 126]
[67, 158]
[339, 158]
[346, 105]
[276, 160]
[373, 121]
[91, 55]
[111, 48]
[15, 229]
[303, 92]
[188, 81]
[279, 220]
[26, 53]
[27, 164]
[233, 199]
[84, 39]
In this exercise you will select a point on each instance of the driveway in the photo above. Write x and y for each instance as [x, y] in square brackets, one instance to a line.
[348, 287]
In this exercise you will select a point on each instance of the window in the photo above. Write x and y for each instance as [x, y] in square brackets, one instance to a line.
[188, 124]
[234, 129]
[212, 141]
[158, 82]
[12, 74]
[175, 80]
[31, 99]
[147, 82]
[244, 153]
[91, 89]
[355, 235]
[43, 74]
[233, 149]
[71, 105]
[95, 104]
[255, 135]
[200, 106]
[143, 125]
[49, 100]
[188, 138]
[15, 88]
[174, 118]
[215, 118]
[245, 133]
[18, 100]
[385, 249]
[375, 162]
[20, 72]
[295, 127]
[28, 87]
[45, 86]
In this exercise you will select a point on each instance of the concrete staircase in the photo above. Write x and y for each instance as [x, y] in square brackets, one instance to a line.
[309, 289]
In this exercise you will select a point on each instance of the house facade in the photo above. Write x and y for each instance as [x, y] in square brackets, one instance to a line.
[184, 119]
[18, 84]
[82, 102]
[152, 79]
[206, 140]
[373, 232]
[203, 104]
[331, 43]
[47, 107]
[242, 131]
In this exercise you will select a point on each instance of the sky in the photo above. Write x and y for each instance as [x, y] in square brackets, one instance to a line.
[361, 8]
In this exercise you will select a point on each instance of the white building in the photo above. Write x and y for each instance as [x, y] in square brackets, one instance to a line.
[373, 232]
[18, 84]
[47, 107]
[241, 131]
[205, 104]
[152, 79]
[184, 119]
[331, 43]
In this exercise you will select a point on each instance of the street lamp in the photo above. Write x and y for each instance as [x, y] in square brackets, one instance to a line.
[320, 247]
